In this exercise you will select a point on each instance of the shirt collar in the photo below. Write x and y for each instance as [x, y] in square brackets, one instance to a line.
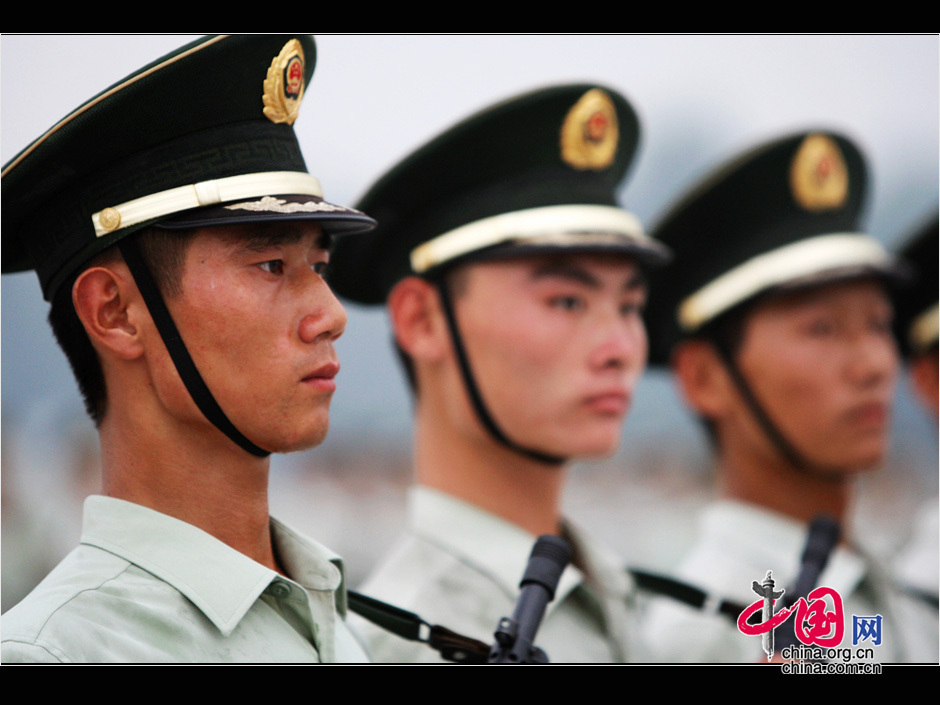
[310, 564]
[219, 580]
[485, 541]
[777, 541]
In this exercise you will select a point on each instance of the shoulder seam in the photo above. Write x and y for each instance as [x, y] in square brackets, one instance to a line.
[75, 595]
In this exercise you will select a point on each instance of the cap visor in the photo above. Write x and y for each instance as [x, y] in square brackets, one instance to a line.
[334, 219]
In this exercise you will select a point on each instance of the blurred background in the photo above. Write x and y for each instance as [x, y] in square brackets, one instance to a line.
[372, 100]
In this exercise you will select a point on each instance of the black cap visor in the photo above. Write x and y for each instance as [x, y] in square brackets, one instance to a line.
[336, 220]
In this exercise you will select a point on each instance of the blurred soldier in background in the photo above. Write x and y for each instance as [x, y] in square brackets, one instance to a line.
[515, 287]
[180, 239]
[776, 318]
[917, 314]
[916, 329]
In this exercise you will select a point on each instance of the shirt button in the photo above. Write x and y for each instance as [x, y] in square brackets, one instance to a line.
[280, 590]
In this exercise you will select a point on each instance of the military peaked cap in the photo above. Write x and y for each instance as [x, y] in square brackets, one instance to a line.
[782, 215]
[200, 137]
[534, 174]
[916, 316]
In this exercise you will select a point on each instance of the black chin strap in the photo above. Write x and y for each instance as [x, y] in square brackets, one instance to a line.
[786, 449]
[178, 353]
[473, 391]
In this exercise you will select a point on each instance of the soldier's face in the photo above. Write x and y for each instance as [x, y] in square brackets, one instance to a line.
[556, 345]
[823, 364]
[259, 322]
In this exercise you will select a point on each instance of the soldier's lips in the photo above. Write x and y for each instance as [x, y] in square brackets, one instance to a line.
[611, 403]
[323, 377]
[870, 415]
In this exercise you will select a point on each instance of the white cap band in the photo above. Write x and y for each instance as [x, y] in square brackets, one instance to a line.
[555, 225]
[781, 266]
[205, 193]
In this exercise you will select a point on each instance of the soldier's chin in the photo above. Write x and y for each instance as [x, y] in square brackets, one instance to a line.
[869, 463]
[870, 456]
[607, 452]
[299, 442]
[860, 464]
[592, 449]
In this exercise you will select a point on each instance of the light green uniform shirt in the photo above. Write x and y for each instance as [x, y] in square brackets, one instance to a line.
[736, 544]
[459, 566]
[144, 587]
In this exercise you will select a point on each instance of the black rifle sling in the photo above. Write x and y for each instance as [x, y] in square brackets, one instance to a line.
[684, 593]
[407, 625]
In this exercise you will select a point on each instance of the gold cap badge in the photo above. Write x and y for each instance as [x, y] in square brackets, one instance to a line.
[818, 175]
[110, 219]
[284, 85]
[589, 133]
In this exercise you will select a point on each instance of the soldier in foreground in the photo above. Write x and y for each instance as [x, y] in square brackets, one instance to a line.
[515, 287]
[776, 318]
[181, 241]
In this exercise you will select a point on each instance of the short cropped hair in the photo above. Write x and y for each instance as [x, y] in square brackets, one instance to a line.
[164, 251]
[456, 279]
[726, 334]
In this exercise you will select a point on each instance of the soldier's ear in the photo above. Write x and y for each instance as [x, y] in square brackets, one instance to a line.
[108, 304]
[702, 378]
[924, 375]
[418, 322]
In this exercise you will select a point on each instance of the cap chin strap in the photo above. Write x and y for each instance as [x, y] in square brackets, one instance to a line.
[474, 393]
[785, 448]
[178, 353]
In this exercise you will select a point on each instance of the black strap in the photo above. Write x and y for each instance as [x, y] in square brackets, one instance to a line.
[925, 596]
[470, 383]
[178, 353]
[684, 593]
[788, 451]
[451, 645]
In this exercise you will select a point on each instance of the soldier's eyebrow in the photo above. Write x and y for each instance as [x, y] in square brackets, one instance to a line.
[263, 239]
[566, 271]
[572, 272]
[637, 280]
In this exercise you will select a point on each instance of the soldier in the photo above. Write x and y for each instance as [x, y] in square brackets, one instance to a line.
[514, 285]
[917, 324]
[181, 242]
[916, 331]
[776, 318]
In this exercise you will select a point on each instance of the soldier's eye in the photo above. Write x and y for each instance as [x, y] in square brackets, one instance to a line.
[568, 303]
[273, 266]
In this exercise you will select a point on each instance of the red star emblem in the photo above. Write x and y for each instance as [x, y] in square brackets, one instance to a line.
[597, 127]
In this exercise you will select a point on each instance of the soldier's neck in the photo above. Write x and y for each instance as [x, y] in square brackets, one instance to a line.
[478, 470]
[766, 479]
[204, 480]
